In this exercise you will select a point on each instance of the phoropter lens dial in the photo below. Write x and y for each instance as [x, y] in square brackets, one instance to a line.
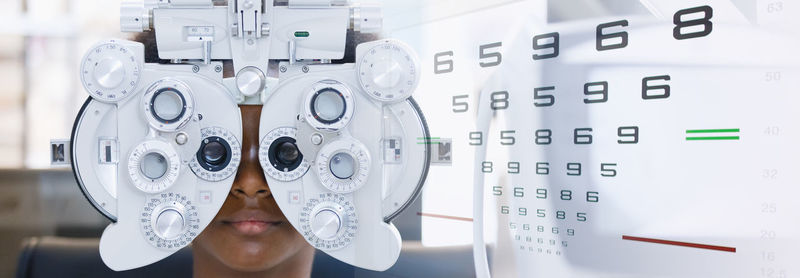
[168, 105]
[218, 156]
[343, 165]
[153, 166]
[329, 106]
[280, 157]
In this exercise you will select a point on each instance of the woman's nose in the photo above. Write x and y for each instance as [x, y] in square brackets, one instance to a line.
[250, 181]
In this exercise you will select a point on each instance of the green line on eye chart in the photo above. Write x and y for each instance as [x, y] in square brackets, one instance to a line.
[724, 134]
[731, 130]
[712, 138]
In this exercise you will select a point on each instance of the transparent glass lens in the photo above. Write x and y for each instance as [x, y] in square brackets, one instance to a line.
[154, 166]
[168, 105]
[329, 105]
[343, 165]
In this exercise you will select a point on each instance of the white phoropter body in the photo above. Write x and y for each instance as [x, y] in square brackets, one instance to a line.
[136, 159]
[156, 147]
[355, 160]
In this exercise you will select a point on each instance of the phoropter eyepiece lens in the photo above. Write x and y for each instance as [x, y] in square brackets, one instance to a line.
[214, 153]
[168, 105]
[154, 166]
[328, 105]
[284, 155]
[288, 154]
[343, 165]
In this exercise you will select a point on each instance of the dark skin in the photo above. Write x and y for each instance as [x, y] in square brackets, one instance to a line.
[250, 236]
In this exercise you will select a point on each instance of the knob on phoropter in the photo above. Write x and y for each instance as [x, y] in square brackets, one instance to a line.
[329, 222]
[326, 223]
[169, 221]
[110, 70]
[388, 71]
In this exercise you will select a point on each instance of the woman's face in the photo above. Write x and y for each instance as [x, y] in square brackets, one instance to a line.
[250, 233]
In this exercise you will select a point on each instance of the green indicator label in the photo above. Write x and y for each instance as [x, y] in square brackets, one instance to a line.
[429, 140]
[712, 134]
[301, 34]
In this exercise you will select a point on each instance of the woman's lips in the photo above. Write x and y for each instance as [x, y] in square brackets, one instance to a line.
[252, 227]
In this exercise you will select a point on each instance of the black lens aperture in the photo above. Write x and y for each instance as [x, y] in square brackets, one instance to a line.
[284, 154]
[214, 154]
[288, 153]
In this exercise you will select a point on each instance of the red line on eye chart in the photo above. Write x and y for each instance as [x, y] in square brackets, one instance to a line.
[444, 216]
[680, 243]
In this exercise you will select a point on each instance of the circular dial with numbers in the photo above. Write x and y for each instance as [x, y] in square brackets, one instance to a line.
[169, 221]
[110, 72]
[651, 140]
[219, 155]
[280, 157]
[329, 222]
[153, 166]
[343, 165]
[388, 72]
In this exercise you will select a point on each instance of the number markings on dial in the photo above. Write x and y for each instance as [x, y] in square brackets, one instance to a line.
[170, 201]
[233, 165]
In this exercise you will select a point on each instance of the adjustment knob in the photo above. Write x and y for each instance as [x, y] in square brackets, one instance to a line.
[110, 70]
[329, 222]
[170, 223]
[388, 70]
[250, 81]
[326, 224]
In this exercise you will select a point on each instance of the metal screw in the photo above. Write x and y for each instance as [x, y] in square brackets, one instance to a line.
[218, 68]
[283, 69]
[305, 69]
[196, 68]
[181, 138]
[316, 139]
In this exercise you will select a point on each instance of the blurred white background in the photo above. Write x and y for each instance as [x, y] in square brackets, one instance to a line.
[42, 43]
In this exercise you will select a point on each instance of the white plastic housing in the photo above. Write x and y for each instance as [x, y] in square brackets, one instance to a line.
[394, 178]
[120, 127]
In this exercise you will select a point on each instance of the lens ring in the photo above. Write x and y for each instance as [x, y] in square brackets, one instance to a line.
[162, 99]
[214, 154]
[342, 165]
[328, 105]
